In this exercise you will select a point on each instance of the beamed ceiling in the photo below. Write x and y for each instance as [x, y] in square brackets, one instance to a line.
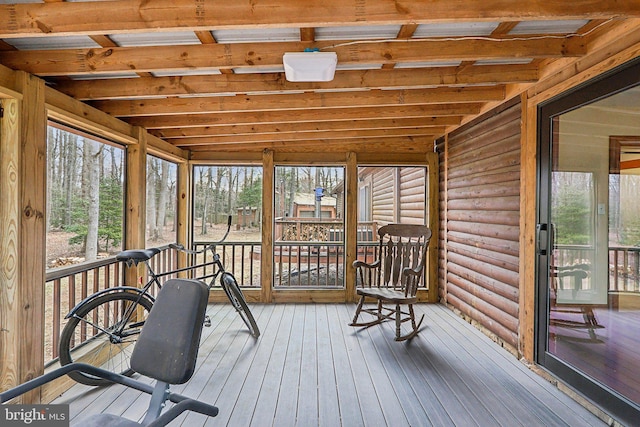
[207, 75]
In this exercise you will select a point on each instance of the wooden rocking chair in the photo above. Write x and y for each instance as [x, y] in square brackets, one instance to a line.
[393, 278]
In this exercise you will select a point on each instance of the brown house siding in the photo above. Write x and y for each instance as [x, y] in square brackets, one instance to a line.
[481, 183]
[412, 194]
[382, 195]
[399, 195]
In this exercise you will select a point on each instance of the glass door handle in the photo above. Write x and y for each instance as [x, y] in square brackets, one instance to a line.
[542, 233]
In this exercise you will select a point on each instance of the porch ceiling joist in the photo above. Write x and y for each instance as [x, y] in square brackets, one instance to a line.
[335, 114]
[304, 127]
[406, 144]
[241, 55]
[308, 136]
[149, 87]
[354, 99]
[23, 20]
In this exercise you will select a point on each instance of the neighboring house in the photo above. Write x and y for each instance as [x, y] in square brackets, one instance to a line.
[304, 206]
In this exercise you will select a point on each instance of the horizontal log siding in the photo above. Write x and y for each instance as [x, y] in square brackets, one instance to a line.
[382, 196]
[412, 193]
[482, 184]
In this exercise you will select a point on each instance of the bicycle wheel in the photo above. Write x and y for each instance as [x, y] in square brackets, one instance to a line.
[100, 335]
[236, 297]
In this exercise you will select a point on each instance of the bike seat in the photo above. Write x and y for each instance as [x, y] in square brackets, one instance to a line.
[137, 255]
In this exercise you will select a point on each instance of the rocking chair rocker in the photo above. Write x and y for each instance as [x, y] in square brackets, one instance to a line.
[393, 278]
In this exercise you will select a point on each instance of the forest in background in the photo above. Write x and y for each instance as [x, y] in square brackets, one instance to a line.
[85, 198]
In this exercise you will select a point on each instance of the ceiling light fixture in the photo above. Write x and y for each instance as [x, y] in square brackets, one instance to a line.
[310, 66]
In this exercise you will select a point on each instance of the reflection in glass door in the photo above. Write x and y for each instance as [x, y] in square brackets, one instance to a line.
[589, 247]
[308, 246]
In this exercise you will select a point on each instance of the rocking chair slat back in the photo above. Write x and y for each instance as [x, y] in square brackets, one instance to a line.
[402, 246]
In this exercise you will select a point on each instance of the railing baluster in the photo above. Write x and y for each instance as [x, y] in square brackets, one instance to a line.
[55, 334]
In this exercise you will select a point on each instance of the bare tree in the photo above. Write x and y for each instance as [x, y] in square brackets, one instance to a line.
[152, 224]
[92, 161]
[163, 196]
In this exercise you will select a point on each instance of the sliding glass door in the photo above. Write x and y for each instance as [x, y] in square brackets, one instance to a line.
[589, 241]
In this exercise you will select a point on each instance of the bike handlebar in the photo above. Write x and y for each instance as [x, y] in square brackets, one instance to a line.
[211, 246]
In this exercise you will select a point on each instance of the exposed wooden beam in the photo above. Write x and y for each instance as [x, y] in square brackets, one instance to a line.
[190, 57]
[23, 20]
[335, 114]
[9, 87]
[205, 37]
[504, 28]
[106, 41]
[275, 82]
[307, 34]
[307, 136]
[304, 127]
[406, 31]
[71, 111]
[355, 99]
[400, 145]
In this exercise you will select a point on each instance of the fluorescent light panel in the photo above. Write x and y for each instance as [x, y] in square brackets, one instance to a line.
[310, 66]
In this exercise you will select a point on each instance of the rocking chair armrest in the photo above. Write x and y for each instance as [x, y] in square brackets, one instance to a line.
[411, 272]
[358, 264]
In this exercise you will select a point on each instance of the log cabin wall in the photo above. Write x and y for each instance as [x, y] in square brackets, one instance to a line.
[480, 177]
[412, 195]
[398, 195]
[383, 201]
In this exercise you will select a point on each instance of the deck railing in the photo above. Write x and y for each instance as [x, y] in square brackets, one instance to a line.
[67, 286]
[624, 264]
[242, 259]
[308, 264]
[624, 271]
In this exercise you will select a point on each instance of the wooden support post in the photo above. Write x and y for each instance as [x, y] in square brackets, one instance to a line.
[23, 149]
[266, 260]
[182, 232]
[9, 243]
[433, 182]
[351, 226]
[135, 216]
[528, 197]
[444, 221]
[33, 184]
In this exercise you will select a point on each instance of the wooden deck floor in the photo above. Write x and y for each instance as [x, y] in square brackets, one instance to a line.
[310, 368]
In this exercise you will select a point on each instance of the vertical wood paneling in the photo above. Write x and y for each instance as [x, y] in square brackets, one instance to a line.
[482, 188]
